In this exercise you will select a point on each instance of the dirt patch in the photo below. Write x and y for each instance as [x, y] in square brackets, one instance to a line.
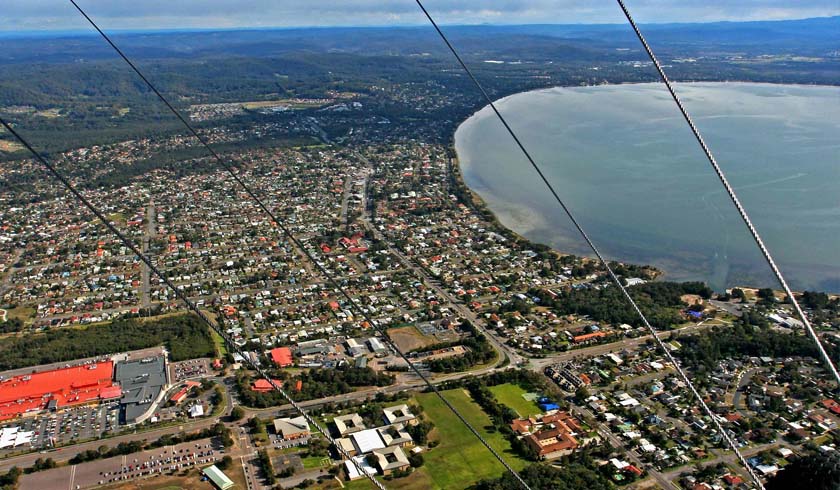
[691, 299]
[167, 482]
[409, 338]
[10, 146]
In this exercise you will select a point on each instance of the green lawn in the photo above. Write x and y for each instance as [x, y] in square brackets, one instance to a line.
[460, 460]
[313, 462]
[221, 348]
[511, 395]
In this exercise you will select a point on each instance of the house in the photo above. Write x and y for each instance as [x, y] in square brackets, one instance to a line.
[197, 410]
[345, 446]
[733, 480]
[292, 428]
[395, 435]
[348, 424]
[831, 405]
[282, 356]
[399, 414]
[588, 337]
[390, 459]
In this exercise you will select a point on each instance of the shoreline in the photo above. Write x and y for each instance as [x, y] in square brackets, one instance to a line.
[477, 203]
[480, 206]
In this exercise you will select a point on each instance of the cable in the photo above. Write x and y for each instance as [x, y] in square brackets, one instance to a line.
[182, 296]
[733, 196]
[592, 246]
[306, 252]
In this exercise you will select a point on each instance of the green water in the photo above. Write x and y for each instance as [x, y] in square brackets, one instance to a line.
[628, 166]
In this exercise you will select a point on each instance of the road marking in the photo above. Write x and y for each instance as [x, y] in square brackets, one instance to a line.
[72, 476]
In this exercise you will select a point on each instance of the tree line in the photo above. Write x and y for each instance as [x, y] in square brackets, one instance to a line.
[314, 383]
[185, 336]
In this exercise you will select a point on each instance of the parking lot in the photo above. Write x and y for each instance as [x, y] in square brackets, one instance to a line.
[67, 426]
[195, 368]
[146, 464]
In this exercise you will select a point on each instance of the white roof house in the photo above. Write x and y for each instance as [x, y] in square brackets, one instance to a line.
[395, 435]
[353, 472]
[367, 440]
[347, 424]
[391, 458]
[397, 413]
[197, 410]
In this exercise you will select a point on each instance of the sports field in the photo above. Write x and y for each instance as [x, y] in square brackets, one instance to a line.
[511, 395]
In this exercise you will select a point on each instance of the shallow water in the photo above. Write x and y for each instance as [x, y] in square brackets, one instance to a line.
[626, 163]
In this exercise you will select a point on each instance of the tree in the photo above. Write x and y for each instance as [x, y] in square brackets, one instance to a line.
[817, 471]
[415, 459]
[237, 413]
[318, 447]
[225, 462]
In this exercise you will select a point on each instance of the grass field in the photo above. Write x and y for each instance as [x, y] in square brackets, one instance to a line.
[511, 395]
[460, 459]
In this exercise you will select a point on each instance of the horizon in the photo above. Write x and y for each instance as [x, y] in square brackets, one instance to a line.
[30, 16]
[82, 31]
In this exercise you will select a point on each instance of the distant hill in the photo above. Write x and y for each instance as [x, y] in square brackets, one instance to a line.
[810, 37]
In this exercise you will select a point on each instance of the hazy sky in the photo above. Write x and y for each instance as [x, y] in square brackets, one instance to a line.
[25, 15]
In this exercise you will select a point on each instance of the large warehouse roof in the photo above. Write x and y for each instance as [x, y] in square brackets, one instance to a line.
[218, 477]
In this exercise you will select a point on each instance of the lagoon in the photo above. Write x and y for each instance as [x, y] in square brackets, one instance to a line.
[626, 163]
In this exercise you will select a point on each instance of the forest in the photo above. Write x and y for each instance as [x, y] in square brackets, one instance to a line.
[659, 301]
[185, 336]
[749, 336]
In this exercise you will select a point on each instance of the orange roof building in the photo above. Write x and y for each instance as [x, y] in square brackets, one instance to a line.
[282, 356]
[67, 386]
[552, 443]
[180, 396]
[263, 385]
[588, 336]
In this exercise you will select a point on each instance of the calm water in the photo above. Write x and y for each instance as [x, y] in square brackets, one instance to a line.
[627, 165]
